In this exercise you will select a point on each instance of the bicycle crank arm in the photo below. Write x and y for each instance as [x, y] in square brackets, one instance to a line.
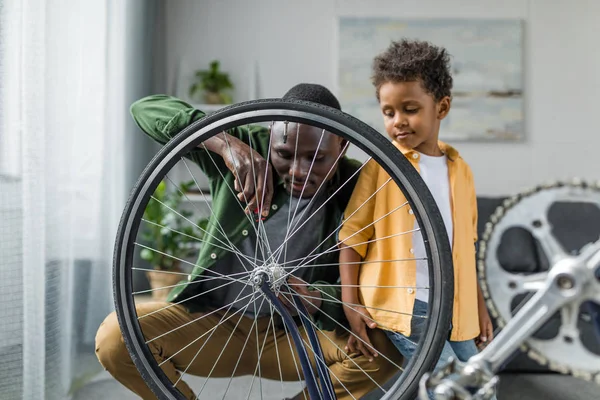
[480, 369]
[568, 280]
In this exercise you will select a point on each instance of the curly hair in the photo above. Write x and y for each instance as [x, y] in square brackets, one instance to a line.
[314, 93]
[414, 60]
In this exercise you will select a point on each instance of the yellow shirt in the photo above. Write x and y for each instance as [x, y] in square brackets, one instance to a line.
[380, 241]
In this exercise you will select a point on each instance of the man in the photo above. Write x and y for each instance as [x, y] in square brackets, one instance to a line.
[252, 208]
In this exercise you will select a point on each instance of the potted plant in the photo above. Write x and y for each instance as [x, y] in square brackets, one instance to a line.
[214, 83]
[171, 236]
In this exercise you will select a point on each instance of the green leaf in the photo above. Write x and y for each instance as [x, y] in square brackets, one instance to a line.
[146, 254]
[194, 88]
[165, 239]
[212, 80]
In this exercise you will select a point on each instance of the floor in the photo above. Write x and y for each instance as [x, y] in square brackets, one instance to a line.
[512, 387]
[104, 387]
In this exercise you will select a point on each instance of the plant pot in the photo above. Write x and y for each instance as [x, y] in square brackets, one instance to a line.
[213, 98]
[162, 282]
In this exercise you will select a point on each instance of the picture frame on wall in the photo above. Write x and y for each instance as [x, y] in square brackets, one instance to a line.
[486, 62]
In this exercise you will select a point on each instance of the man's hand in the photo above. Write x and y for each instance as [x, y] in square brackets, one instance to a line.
[310, 298]
[359, 318]
[253, 175]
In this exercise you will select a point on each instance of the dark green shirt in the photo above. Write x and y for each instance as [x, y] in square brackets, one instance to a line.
[163, 117]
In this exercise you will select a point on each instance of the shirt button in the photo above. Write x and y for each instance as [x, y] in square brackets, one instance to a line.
[245, 232]
[412, 251]
[410, 291]
[415, 156]
[213, 256]
[411, 212]
[274, 207]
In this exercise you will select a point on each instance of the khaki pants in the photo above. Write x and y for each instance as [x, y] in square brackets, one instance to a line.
[277, 354]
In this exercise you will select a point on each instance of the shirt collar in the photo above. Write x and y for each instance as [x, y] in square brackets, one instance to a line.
[448, 150]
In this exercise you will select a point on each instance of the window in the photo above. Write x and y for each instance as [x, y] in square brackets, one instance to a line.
[10, 89]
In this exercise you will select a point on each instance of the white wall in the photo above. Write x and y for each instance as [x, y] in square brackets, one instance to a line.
[295, 41]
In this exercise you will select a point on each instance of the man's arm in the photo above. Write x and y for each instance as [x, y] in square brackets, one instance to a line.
[162, 117]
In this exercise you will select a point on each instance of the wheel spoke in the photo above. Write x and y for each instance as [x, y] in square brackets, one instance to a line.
[272, 323]
[318, 358]
[287, 231]
[300, 218]
[322, 205]
[195, 225]
[234, 249]
[332, 299]
[194, 320]
[237, 363]
[225, 277]
[346, 355]
[190, 298]
[225, 346]
[248, 215]
[383, 262]
[335, 248]
[182, 260]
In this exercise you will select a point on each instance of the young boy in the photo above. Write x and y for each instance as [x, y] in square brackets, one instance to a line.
[413, 85]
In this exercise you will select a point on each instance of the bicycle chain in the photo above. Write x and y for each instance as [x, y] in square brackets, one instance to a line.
[481, 272]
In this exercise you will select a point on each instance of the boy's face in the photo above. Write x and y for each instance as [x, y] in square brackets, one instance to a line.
[412, 116]
[282, 157]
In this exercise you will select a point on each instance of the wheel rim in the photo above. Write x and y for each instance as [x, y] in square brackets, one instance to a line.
[265, 111]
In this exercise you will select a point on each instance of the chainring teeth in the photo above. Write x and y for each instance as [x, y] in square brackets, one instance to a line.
[490, 227]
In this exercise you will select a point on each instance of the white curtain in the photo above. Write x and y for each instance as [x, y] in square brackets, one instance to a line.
[68, 156]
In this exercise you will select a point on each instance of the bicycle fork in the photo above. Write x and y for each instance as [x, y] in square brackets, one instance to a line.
[325, 392]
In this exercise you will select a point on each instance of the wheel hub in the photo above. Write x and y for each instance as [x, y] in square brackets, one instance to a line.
[273, 274]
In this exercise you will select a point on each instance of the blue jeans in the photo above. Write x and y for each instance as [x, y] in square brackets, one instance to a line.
[462, 350]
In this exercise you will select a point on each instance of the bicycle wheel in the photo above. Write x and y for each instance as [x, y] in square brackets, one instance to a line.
[238, 345]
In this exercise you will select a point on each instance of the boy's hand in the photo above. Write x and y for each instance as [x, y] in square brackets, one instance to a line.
[253, 176]
[359, 318]
[486, 328]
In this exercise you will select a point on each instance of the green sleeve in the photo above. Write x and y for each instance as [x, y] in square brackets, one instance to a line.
[331, 307]
[162, 117]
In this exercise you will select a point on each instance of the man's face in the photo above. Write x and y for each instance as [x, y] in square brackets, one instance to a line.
[293, 158]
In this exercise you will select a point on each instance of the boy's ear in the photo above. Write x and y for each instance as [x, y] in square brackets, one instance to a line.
[443, 107]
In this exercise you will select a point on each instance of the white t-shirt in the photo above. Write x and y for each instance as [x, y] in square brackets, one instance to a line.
[434, 171]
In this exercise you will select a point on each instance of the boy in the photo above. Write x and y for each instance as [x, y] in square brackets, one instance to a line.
[413, 84]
